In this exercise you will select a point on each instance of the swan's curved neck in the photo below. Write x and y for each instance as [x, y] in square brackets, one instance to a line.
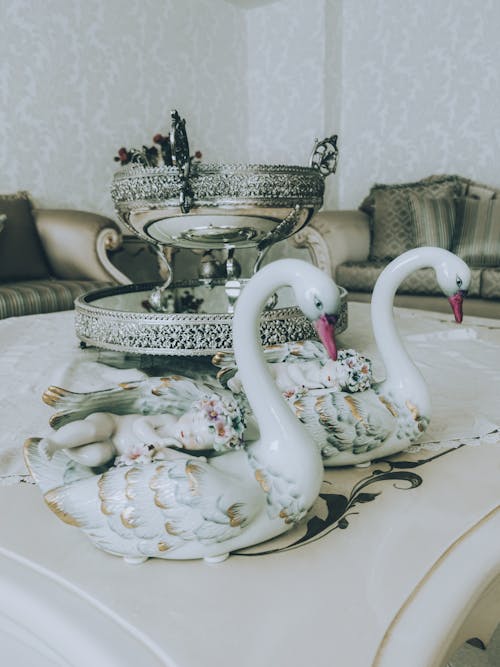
[284, 443]
[402, 376]
[260, 388]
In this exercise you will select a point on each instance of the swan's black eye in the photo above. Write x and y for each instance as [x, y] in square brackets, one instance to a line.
[318, 303]
[459, 282]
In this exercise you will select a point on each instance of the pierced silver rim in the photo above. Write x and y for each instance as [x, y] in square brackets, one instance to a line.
[181, 334]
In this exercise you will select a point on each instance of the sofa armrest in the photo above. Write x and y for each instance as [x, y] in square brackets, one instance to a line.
[77, 244]
[335, 237]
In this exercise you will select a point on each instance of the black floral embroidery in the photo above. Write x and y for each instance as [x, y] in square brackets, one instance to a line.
[340, 508]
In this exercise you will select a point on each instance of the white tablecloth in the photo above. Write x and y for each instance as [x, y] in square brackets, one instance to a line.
[460, 363]
[383, 537]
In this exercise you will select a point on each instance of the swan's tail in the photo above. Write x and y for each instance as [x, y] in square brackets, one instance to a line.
[72, 405]
[50, 474]
[173, 394]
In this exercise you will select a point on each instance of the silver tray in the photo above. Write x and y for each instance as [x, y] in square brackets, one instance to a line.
[117, 318]
[231, 205]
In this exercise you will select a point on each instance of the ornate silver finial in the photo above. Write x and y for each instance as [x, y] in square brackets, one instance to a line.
[179, 142]
[181, 159]
[325, 155]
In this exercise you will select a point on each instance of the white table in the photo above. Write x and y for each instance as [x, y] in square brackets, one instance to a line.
[406, 554]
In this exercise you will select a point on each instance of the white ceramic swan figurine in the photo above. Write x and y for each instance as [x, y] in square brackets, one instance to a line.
[355, 428]
[349, 416]
[185, 506]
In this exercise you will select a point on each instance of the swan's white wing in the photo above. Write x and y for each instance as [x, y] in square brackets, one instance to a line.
[58, 471]
[342, 422]
[173, 394]
[158, 507]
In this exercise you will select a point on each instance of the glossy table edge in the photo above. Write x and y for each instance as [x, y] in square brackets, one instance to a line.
[440, 603]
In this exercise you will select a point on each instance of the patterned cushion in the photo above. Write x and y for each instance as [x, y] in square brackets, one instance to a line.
[392, 230]
[461, 184]
[42, 296]
[432, 219]
[490, 283]
[21, 252]
[477, 235]
[362, 276]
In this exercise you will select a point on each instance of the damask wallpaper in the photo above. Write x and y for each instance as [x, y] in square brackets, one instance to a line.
[420, 92]
[80, 78]
[411, 88]
[292, 58]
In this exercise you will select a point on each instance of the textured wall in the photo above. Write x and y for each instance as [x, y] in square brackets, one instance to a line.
[79, 79]
[412, 88]
[285, 43]
[291, 57]
[420, 92]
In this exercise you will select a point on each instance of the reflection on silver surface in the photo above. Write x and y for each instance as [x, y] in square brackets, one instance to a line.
[225, 198]
[118, 319]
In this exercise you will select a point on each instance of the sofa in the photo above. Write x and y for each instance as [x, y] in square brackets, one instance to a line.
[449, 211]
[48, 257]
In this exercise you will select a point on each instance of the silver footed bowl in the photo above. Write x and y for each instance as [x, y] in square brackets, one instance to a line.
[228, 205]
[118, 318]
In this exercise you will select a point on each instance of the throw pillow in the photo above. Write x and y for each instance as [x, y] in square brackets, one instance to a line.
[392, 232]
[432, 219]
[477, 236]
[480, 192]
[21, 252]
[461, 184]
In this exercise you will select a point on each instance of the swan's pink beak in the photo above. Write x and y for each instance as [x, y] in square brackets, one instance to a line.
[456, 302]
[325, 326]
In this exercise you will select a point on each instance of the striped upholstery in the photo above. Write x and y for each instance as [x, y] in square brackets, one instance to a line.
[42, 296]
[432, 219]
[477, 236]
[361, 277]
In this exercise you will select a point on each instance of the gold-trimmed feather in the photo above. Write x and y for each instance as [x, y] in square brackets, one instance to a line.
[261, 478]
[52, 499]
[234, 514]
[388, 405]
